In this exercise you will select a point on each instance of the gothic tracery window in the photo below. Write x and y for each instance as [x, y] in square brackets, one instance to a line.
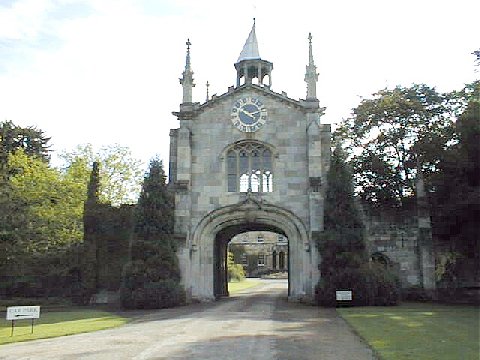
[249, 168]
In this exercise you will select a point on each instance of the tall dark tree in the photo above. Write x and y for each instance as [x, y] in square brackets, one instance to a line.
[152, 278]
[344, 264]
[456, 188]
[30, 139]
[343, 238]
[154, 214]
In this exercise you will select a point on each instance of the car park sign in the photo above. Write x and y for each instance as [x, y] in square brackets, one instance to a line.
[15, 313]
[23, 312]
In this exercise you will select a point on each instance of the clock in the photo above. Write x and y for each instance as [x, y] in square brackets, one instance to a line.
[248, 114]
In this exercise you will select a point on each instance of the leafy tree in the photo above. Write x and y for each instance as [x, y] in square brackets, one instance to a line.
[120, 173]
[235, 271]
[152, 278]
[54, 200]
[41, 218]
[388, 134]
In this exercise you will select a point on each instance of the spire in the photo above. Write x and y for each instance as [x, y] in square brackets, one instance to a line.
[187, 77]
[250, 49]
[311, 75]
[249, 65]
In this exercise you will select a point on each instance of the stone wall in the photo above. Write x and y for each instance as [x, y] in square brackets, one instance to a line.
[396, 236]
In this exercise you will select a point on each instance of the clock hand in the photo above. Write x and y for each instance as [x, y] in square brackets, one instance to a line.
[251, 114]
[247, 113]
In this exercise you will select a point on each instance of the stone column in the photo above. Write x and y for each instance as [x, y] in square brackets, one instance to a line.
[245, 73]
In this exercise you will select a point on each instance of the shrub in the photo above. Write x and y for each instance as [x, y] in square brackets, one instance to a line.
[138, 291]
[234, 271]
[383, 285]
[371, 284]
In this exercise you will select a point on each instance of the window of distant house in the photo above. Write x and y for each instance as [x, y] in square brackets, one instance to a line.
[249, 168]
[260, 239]
[281, 260]
[261, 260]
[244, 260]
[281, 239]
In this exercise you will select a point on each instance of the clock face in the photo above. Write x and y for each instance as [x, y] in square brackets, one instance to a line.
[248, 114]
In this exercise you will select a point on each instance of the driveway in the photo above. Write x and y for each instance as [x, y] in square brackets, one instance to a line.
[256, 324]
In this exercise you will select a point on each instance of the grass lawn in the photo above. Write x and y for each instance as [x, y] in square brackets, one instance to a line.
[59, 323]
[418, 330]
[235, 286]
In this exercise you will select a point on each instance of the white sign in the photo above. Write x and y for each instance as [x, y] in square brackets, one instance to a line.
[23, 312]
[344, 295]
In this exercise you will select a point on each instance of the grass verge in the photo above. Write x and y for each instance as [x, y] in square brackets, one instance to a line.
[59, 323]
[418, 330]
[236, 286]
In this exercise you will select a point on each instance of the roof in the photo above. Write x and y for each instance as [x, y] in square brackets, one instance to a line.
[249, 87]
[250, 49]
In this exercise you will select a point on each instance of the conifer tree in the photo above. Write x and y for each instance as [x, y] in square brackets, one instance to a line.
[342, 246]
[154, 213]
[152, 278]
[344, 260]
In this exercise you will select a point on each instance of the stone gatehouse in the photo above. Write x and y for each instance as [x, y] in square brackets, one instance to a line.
[248, 160]
[253, 159]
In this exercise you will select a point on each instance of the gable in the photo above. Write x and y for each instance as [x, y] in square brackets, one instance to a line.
[249, 89]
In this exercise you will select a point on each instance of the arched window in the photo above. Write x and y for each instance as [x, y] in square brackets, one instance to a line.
[281, 260]
[381, 258]
[249, 168]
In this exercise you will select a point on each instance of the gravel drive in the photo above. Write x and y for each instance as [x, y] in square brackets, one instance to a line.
[256, 324]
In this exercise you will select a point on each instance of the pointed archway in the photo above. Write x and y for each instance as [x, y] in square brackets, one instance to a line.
[207, 273]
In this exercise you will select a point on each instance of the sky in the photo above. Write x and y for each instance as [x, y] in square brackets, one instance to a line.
[107, 71]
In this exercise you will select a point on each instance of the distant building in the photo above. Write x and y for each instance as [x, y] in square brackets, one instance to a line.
[260, 252]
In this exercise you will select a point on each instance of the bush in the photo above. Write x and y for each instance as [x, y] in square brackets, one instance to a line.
[371, 284]
[234, 271]
[383, 285]
[138, 291]
[155, 295]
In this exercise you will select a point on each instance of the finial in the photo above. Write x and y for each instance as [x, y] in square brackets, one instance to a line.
[208, 85]
[187, 77]
[310, 52]
[187, 62]
[311, 76]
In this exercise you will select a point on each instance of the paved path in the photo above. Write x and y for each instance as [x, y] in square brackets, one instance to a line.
[259, 324]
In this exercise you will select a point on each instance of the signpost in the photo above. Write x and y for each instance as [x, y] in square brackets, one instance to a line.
[22, 313]
[343, 297]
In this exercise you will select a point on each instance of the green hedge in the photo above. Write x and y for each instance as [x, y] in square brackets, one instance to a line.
[371, 284]
[154, 295]
[151, 283]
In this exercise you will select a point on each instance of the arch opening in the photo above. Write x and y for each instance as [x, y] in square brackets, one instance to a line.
[208, 247]
[260, 249]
